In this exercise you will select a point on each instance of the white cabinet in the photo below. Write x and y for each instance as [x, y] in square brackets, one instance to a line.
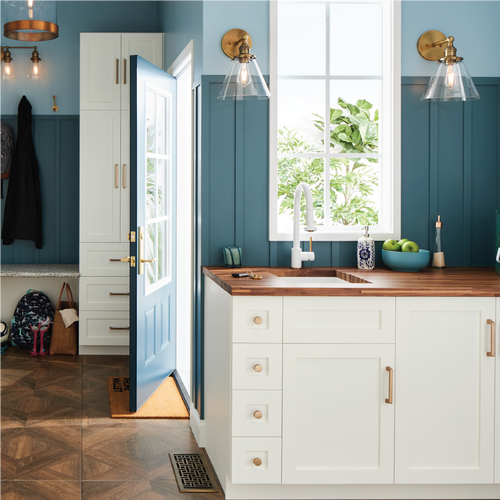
[337, 426]
[444, 391]
[105, 66]
[104, 180]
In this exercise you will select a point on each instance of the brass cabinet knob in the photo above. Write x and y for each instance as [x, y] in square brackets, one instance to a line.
[257, 320]
[257, 414]
[257, 462]
[258, 368]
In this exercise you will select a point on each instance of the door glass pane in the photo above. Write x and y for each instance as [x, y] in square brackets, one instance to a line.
[161, 124]
[151, 121]
[151, 189]
[149, 250]
[163, 245]
[162, 188]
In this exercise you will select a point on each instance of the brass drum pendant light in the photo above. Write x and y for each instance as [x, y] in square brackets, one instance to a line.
[31, 20]
[244, 79]
[452, 81]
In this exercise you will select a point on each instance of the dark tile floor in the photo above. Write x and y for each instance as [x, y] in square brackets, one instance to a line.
[60, 443]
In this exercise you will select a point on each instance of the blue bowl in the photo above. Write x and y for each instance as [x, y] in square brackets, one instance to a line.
[407, 262]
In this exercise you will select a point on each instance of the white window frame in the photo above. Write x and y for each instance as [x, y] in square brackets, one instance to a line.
[391, 145]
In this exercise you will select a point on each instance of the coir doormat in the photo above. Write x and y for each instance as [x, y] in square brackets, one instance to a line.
[166, 401]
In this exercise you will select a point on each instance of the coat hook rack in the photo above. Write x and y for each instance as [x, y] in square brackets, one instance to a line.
[55, 107]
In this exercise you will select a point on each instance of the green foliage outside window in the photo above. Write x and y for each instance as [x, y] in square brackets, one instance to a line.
[352, 180]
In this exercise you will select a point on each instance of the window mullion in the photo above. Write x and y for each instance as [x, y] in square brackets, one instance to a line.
[326, 165]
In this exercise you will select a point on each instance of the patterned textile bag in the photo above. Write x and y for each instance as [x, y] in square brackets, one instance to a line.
[31, 324]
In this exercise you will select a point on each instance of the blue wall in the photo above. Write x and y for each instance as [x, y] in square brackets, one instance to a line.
[61, 57]
[449, 167]
[56, 144]
[182, 22]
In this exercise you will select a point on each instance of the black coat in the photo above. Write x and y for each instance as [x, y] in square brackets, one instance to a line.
[23, 206]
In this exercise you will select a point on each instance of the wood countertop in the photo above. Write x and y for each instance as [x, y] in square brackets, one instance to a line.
[452, 282]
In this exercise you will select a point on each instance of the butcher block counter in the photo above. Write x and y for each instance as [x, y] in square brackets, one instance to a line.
[381, 282]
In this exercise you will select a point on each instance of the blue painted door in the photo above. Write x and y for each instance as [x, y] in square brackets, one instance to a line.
[153, 219]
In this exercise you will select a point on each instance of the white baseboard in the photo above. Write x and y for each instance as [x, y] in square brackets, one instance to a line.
[197, 426]
[101, 350]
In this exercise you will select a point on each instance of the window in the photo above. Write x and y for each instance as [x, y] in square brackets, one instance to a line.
[339, 61]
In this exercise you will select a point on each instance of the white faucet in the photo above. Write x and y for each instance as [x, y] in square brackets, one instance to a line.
[297, 254]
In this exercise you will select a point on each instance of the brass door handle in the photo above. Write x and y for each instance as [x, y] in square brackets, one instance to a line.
[391, 384]
[125, 259]
[257, 368]
[119, 293]
[258, 414]
[117, 77]
[492, 337]
[149, 260]
[119, 327]
[117, 182]
[257, 462]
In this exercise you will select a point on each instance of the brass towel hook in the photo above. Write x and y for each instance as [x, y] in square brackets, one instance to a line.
[55, 107]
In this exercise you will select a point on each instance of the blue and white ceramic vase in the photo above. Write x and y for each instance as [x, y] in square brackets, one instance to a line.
[366, 251]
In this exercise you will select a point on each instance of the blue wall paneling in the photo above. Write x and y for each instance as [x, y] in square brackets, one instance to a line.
[56, 141]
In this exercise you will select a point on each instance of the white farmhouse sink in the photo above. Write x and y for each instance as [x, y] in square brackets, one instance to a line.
[314, 281]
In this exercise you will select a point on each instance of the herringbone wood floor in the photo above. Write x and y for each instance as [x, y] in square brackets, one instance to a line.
[60, 443]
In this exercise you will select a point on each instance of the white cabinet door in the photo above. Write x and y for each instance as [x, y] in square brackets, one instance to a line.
[337, 426]
[100, 71]
[444, 391]
[125, 176]
[147, 45]
[497, 399]
[100, 176]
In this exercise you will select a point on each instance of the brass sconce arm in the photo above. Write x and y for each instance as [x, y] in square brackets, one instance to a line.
[429, 46]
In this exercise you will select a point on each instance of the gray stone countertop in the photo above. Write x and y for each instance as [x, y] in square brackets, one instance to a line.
[39, 271]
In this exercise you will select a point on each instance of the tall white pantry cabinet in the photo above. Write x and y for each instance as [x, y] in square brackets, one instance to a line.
[104, 184]
[352, 397]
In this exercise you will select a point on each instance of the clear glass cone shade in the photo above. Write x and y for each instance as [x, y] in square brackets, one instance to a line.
[31, 20]
[244, 81]
[8, 72]
[35, 71]
[451, 83]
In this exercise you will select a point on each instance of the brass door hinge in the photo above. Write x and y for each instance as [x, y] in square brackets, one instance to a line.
[131, 236]
[132, 261]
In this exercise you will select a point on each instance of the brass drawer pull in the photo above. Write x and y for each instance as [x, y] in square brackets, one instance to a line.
[117, 76]
[117, 182]
[257, 462]
[119, 327]
[119, 293]
[257, 320]
[258, 414]
[257, 368]
[124, 72]
[492, 336]
[391, 384]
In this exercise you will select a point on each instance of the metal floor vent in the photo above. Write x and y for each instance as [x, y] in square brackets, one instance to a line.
[193, 473]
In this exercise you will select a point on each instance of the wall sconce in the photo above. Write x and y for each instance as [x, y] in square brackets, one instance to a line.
[35, 71]
[452, 81]
[31, 20]
[244, 79]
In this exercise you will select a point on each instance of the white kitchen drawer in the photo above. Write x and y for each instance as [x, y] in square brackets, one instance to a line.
[99, 259]
[331, 320]
[104, 328]
[104, 294]
[257, 319]
[257, 366]
[256, 413]
[246, 450]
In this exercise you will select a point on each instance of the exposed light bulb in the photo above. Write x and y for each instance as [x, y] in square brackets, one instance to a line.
[244, 77]
[30, 13]
[450, 77]
[35, 71]
[7, 70]
[30, 4]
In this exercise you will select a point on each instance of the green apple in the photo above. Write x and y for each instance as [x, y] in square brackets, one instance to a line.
[391, 246]
[410, 246]
[403, 241]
